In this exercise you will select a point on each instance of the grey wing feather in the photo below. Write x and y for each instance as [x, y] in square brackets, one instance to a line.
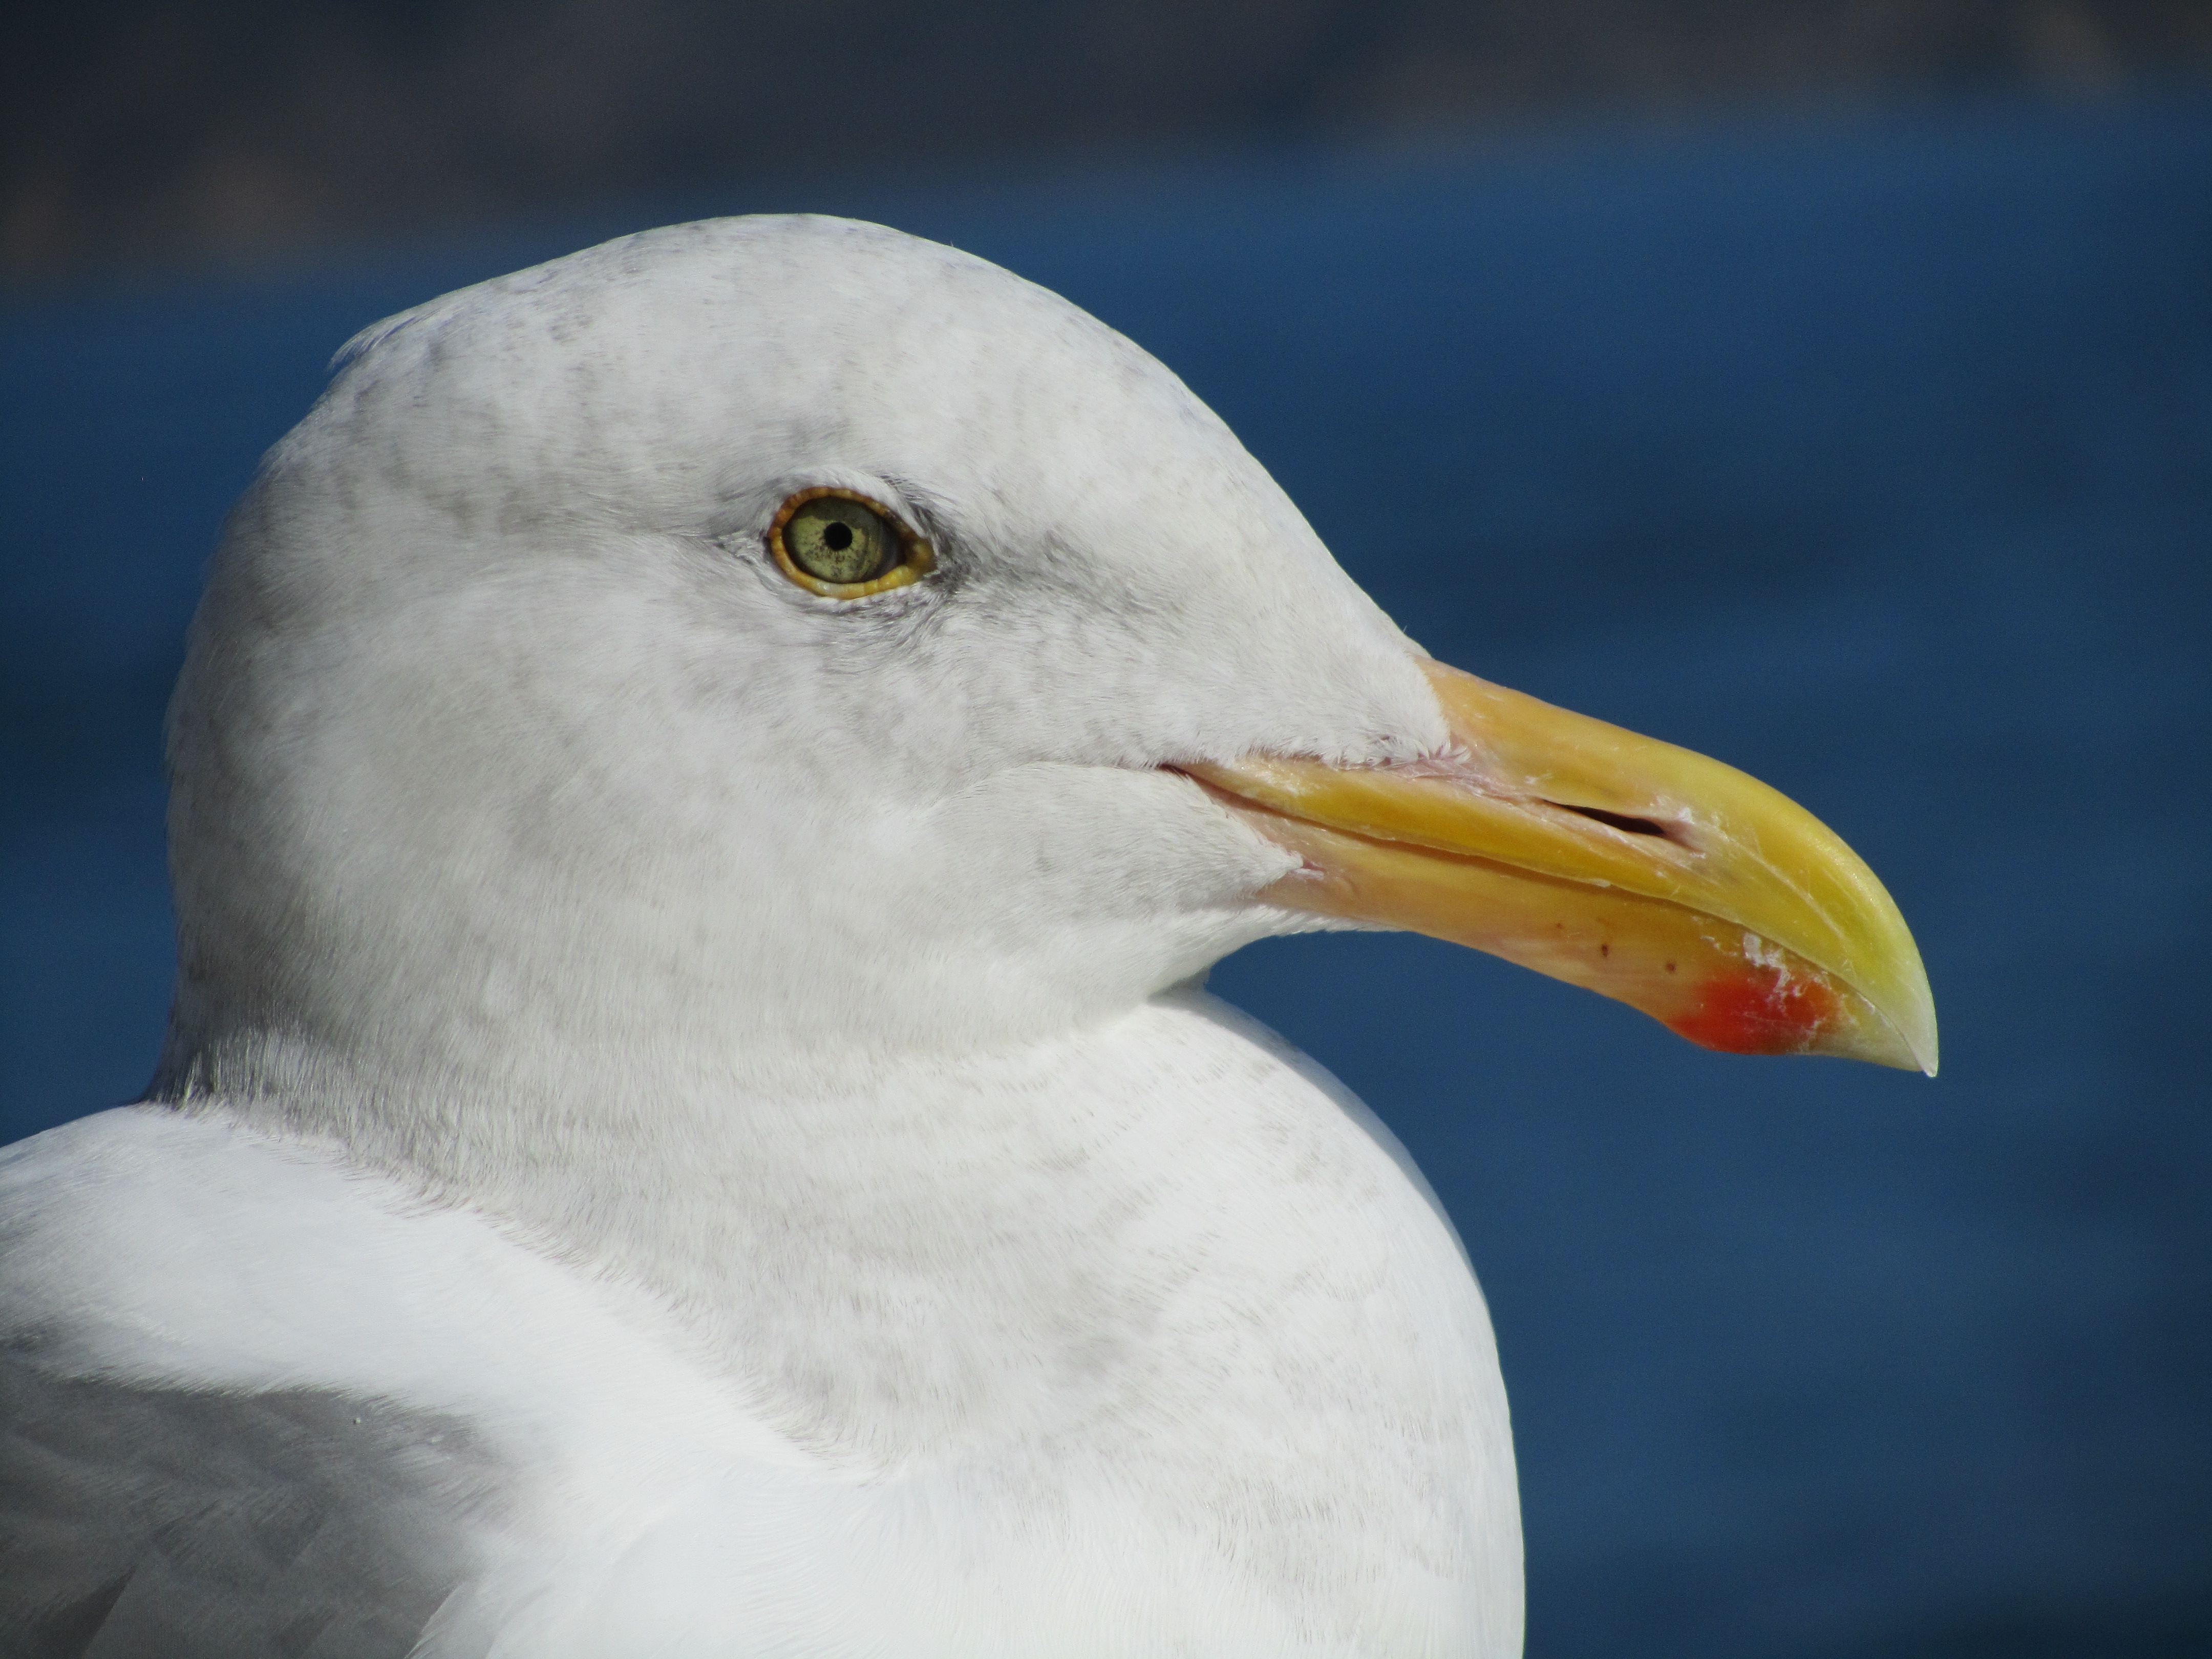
[177, 1523]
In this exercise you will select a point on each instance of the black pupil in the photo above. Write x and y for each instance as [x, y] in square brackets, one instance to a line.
[836, 537]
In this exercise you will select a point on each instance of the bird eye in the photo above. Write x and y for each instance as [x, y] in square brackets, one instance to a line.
[844, 546]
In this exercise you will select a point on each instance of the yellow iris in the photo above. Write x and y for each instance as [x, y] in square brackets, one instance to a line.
[844, 546]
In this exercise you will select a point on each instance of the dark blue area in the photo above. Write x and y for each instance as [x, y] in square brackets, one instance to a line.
[1876, 459]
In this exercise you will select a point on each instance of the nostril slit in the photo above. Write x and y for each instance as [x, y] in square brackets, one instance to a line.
[1621, 821]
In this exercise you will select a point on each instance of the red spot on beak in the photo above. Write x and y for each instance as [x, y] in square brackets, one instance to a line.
[1762, 1010]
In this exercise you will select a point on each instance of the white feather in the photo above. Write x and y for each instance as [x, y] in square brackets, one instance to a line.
[725, 1042]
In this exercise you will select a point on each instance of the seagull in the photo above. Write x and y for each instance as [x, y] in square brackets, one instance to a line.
[708, 778]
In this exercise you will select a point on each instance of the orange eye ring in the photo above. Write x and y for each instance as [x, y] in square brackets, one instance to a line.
[906, 556]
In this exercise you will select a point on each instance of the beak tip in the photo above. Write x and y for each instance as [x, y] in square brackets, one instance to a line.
[1912, 1029]
[1925, 1051]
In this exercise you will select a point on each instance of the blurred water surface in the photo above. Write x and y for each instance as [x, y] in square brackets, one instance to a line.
[1873, 457]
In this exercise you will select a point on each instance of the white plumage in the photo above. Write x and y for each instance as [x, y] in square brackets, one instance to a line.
[727, 1055]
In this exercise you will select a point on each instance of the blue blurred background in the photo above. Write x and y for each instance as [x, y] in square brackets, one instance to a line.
[1867, 447]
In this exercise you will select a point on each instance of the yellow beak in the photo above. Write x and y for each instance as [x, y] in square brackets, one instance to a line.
[1646, 873]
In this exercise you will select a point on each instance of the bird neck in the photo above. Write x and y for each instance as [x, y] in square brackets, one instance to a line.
[952, 1253]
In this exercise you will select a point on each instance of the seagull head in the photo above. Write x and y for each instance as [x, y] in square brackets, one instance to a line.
[778, 644]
